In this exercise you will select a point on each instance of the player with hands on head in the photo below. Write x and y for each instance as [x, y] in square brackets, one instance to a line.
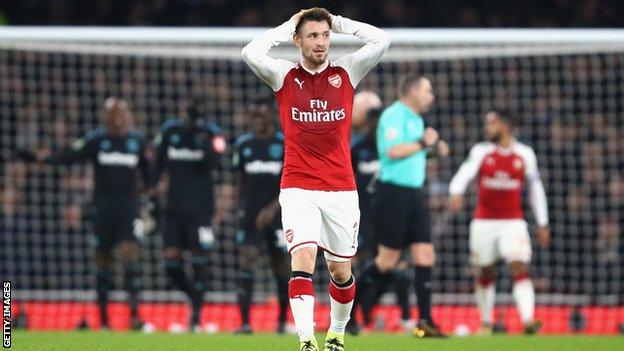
[318, 195]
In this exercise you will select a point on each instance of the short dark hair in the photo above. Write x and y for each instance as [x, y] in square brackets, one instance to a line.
[408, 82]
[506, 116]
[316, 14]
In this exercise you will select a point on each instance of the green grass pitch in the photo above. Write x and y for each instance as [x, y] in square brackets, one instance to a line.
[118, 341]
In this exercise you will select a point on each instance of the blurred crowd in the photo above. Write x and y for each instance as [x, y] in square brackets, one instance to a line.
[385, 13]
[570, 106]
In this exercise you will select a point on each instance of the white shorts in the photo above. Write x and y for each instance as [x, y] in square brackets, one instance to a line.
[493, 239]
[327, 219]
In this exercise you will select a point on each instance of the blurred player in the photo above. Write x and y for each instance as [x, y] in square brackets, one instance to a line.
[318, 194]
[118, 157]
[366, 169]
[258, 160]
[365, 165]
[498, 230]
[188, 150]
[399, 205]
[363, 102]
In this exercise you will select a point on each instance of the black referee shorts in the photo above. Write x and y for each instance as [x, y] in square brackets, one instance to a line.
[400, 216]
[367, 240]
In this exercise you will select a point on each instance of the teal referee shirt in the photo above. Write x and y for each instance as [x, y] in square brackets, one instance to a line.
[399, 124]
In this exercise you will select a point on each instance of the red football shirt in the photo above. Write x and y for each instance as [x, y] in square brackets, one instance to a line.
[315, 107]
[501, 175]
[315, 113]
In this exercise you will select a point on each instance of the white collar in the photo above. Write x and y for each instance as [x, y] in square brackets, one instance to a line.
[319, 70]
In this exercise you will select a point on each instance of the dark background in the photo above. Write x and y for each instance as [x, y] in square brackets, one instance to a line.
[385, 13]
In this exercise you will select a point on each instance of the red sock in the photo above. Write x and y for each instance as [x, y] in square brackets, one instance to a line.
[343, 293]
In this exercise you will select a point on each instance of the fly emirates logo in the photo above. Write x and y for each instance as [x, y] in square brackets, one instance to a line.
[318, 113]
[501, 181]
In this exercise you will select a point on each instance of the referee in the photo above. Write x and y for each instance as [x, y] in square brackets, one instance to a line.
[399, 204]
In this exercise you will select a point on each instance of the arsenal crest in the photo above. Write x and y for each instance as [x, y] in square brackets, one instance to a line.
[335, 80]
[289, 235]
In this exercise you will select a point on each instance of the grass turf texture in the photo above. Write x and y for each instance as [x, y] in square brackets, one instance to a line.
[117, 341]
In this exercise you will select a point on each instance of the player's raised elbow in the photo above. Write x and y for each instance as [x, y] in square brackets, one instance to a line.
[246, 53]
[385, 39]
[380, 39]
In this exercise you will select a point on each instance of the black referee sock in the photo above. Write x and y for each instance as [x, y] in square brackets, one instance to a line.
[103, 285]
[245, 293]
[423, 292]
[373, 283]
[282, 297]
[352, 318]
[401, 283]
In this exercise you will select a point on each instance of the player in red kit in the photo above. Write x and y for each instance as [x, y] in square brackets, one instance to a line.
[318, 195]
[498, 230]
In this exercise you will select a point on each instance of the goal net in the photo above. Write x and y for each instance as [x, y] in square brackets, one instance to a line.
[567, 87]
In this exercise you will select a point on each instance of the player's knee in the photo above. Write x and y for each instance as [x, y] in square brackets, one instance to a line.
[487, 273]
[173, 253]
[129, 251]
[340, 272]
[518, 269]
[129, 257]
[386, 263]
[424, 255]
[304, 259]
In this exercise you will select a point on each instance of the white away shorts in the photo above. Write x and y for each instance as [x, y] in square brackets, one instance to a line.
[327, 219]
[493, 239]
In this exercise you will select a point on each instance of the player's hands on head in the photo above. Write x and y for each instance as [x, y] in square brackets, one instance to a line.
[295, 18]
[430, 137]
[543, 236]
[456, 202]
